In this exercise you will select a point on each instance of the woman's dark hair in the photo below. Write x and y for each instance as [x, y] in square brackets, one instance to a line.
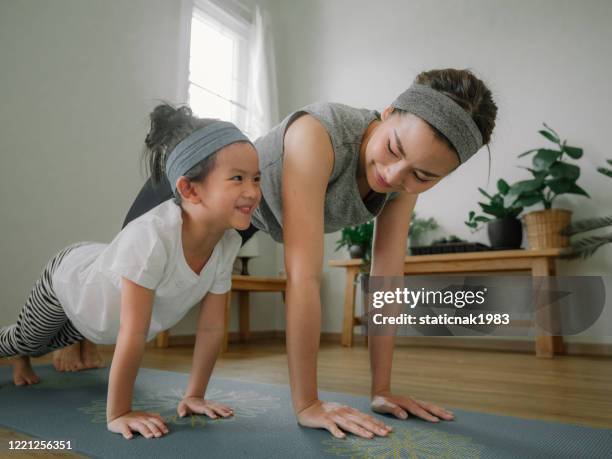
[469, 92]
[170, 125]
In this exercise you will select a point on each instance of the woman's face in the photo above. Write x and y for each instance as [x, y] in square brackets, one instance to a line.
[231, 192]
[403, 154]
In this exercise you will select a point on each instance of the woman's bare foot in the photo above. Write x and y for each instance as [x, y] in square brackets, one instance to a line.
[68, 358]
[90, 356]
[23, 374]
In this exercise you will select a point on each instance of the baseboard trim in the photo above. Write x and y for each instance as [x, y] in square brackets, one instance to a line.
[489, 344]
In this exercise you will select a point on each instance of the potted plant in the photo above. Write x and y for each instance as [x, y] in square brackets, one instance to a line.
[419, 227]
[553, 175]
[503, 226]
[358, 240]
[587, 246]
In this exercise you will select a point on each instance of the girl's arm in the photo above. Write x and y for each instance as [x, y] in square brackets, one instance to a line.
[209, 336]
[136, 307]
[389, 250]
[307, 166]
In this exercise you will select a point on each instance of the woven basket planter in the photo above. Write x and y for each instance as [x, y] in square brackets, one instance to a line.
[543, 227]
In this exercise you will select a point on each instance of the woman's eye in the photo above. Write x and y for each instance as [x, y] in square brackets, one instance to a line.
[258, 179]
[419, 179]
[236, 177]
[389, 148]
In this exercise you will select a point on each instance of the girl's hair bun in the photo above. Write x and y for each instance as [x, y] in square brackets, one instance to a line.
[169, 125]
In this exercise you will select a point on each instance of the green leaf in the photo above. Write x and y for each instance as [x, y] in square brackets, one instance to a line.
[471, 214]
[549, 136]
[560, 185]
[561, 169]
[529, 200]
[551, 129]
[482, 218]
[604, 171]
[485, 193]
[573, 152]
[525, 186]
[528, 152]
[503, 186]
[575, 189]
[544, 159]
[492, 210]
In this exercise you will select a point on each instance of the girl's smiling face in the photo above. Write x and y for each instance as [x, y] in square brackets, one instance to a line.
[230, 192]
[403, 154]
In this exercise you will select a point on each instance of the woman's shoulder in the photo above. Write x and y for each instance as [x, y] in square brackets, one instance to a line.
[334, 114]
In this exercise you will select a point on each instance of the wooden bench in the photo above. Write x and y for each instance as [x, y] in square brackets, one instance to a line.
[243, 285]
[537, 262]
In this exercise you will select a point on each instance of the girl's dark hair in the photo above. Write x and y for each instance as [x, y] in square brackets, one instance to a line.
[170, 125]
[469, 92]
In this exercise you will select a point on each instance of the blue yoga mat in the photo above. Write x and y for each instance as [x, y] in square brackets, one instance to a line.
[72, 406]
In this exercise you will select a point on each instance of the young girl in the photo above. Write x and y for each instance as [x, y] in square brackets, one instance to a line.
[178, 254]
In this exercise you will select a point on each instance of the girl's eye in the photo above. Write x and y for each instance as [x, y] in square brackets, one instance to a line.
[258, 179]
[389, 148]
[236, 177]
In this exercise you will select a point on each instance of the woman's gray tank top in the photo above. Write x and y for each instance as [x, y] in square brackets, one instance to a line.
[343, 203]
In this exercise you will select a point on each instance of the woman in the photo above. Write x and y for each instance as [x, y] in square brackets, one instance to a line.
[328, 166]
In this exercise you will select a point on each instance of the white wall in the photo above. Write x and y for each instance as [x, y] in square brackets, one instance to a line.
[544, 61]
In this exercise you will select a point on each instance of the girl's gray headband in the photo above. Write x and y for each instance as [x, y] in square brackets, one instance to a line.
[445, 115]
[199, 145]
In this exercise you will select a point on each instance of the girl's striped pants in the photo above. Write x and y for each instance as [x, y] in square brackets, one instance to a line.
[42, 325]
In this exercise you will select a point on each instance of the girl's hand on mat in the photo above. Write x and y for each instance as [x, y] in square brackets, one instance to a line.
[334, 417]
[149, 425]
[198, 405]
[398, 406]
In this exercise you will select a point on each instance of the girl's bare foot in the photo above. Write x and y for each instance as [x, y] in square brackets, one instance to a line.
[23, 374]
[90, 356]
[68, 358]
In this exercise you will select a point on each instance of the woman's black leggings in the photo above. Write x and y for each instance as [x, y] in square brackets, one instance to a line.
[151, 195]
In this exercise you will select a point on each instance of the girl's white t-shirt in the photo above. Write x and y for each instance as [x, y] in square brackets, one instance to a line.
[149, 252]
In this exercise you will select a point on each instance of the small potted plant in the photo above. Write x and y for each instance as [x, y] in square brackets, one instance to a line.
[552, 176]
[588, 245]
[419, 227]
[503, 226]
[358, 240]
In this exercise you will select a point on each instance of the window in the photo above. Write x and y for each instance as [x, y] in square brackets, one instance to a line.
[218, 63]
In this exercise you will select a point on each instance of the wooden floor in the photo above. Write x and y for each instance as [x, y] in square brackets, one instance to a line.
[571, 389]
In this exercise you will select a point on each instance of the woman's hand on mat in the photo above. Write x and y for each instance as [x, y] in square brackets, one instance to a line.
[398, 406]
[198, 405]
[149, 425]
[339, 418]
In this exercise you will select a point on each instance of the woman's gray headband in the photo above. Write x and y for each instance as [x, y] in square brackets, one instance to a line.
[445, 115]
[199, 145]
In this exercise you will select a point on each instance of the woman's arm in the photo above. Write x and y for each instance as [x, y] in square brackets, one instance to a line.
[388, 252]
[136, 307]
[307, 166]
[209, 336]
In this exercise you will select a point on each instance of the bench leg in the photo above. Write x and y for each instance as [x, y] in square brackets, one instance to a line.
[546, 346]
[349, 306]
[228, 303]
[243, 299]
[161, 340]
